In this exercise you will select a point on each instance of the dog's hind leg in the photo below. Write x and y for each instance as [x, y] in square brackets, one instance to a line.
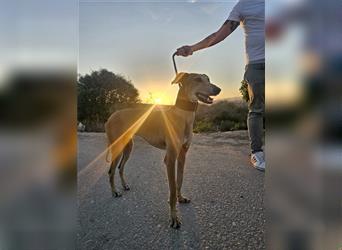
[125, 156]
[111, 174]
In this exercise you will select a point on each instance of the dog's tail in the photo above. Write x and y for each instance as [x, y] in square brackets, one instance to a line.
[109, 145]
[107, 154]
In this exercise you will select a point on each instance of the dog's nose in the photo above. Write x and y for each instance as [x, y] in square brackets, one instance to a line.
[216, 90]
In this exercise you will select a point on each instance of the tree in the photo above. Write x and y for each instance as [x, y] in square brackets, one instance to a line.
[100, 94]
[244, 90]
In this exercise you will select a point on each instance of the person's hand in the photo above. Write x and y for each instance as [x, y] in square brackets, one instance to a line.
[184, 51]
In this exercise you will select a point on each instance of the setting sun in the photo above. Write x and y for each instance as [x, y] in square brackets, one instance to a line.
[158, 98]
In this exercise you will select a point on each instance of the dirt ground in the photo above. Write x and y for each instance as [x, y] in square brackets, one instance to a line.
[227, 197]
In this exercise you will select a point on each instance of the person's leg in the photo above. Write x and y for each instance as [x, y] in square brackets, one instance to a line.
[255, 77]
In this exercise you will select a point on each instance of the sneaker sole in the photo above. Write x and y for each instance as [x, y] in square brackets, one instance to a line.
[260, 169]
[257, 168]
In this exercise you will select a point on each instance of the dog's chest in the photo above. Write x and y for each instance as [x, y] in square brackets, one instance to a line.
[188, 134]
[187, 139]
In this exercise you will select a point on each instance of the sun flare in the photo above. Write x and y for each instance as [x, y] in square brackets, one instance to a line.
[158, 98]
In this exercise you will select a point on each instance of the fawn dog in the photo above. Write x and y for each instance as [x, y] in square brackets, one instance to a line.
[168, 129]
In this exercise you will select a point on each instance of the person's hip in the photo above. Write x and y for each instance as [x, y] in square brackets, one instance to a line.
[255, 66]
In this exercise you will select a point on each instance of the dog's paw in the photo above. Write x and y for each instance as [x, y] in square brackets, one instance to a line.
[175, 222]
[116, 194]
[126, 187]
[183, 200]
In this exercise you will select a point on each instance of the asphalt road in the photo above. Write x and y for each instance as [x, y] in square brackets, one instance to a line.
[227, 197]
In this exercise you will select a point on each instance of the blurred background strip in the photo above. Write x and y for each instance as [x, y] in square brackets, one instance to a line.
[38, 123]
[304, 124]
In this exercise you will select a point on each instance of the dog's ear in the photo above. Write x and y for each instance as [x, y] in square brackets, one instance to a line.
[180, 78]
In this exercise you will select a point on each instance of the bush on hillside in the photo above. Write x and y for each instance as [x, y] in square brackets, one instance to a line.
[221, 116]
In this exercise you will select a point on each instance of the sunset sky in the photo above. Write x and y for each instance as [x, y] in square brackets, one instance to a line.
[136, 39]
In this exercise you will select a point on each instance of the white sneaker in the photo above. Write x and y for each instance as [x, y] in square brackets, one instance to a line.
[258, 161]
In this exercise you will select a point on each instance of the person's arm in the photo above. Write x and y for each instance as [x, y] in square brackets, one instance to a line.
[226, 29]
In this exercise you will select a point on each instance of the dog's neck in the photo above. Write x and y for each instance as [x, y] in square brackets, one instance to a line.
[186, 105]
[183, 103]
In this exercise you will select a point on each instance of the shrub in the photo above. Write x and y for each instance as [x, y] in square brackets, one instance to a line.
[222, 116]
[203, 126]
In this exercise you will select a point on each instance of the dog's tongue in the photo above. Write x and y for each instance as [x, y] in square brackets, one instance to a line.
[205, 98]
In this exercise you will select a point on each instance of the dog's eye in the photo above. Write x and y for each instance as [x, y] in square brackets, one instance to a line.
[198, 79]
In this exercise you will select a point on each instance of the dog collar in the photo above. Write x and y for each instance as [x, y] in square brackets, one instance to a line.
[186, 105]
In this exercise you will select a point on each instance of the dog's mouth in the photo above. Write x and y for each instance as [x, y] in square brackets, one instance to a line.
[204, 98]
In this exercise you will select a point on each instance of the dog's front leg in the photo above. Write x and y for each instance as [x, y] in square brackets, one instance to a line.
[180, 173]
[170, 160]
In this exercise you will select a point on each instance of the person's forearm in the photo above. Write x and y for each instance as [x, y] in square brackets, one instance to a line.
[207, 42]
[227, 28]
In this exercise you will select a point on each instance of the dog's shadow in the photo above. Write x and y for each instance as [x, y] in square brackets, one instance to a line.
[188, 236]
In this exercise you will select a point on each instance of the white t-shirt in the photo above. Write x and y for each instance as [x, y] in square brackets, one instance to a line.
[251, 15]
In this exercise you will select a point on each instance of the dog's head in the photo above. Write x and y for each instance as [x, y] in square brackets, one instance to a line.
[196, 87]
